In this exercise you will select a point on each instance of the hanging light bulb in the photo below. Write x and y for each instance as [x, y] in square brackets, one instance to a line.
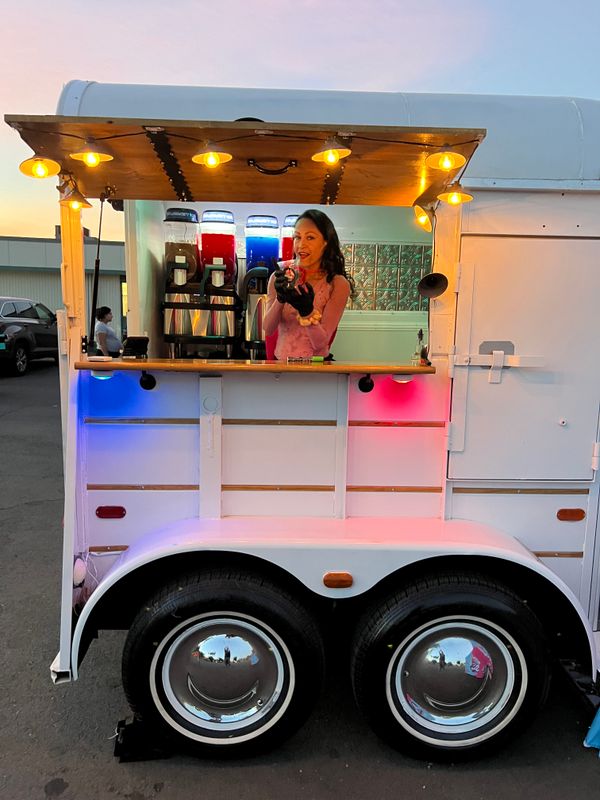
[74, 199]
[445, 160]
[212, 156]
[39, 167]
[424, 218]
[331, 152]
[91, 153]
[455, 195]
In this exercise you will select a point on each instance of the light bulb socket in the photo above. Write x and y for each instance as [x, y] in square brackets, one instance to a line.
[446, 160]
[71, 195]
[91, 146]
[210, 148]
[31, 167]
[455, 195]
[424, 217]
[333, 144]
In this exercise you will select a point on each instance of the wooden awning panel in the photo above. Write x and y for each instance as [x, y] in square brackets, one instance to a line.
[152, 160]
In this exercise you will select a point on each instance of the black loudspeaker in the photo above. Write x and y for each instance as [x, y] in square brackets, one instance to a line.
[432, 285]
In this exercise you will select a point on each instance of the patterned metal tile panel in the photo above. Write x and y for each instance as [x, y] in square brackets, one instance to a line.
[386, 300]
[364, 255]
[388, 253]
[386, 275]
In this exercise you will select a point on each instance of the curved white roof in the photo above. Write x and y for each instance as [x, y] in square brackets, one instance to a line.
[529, 138]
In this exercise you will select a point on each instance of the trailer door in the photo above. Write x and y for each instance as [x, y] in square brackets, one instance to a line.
[526, 386]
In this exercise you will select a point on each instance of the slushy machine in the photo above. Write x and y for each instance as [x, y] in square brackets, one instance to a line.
[213, 308]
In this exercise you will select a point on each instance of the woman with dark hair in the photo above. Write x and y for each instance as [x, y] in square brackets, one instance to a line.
[306, 313]
[106, 339]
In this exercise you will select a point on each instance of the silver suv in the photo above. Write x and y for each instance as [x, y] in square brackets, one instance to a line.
[27, 331]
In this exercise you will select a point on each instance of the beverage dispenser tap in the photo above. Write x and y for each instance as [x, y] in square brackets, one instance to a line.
[254, 303]
[222, 302]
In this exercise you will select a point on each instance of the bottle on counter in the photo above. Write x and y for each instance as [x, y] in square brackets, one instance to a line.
[417, 355]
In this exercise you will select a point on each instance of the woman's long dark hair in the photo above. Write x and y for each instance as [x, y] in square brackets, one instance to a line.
[332, 261]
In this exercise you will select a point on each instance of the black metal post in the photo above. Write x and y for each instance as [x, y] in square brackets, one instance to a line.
[91, 341]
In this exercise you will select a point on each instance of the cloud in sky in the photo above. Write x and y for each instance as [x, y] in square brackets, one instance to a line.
[496, 46]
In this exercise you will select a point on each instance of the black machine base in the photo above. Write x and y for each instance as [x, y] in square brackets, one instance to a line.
[137, 742]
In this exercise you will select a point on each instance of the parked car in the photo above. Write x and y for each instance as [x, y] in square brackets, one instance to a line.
[27, 331]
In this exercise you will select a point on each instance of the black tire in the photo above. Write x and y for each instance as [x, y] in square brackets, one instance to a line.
[452, 667]
[20, 359]
[223, 663]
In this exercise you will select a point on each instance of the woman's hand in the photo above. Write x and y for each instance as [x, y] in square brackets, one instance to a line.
[302, 298]
[282, 286]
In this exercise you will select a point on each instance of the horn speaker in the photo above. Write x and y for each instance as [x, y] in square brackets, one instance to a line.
[432, 285]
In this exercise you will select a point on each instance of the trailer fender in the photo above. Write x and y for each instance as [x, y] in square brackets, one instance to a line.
[308, 548]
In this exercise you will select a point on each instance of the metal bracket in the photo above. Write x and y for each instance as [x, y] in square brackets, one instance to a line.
[497, 361]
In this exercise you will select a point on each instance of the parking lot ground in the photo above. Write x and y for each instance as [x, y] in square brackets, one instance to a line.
[56, 741]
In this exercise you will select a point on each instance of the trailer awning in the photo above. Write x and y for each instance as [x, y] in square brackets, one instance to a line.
[152, 160]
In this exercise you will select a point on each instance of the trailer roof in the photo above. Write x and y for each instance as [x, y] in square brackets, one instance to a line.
[152, 159]
[531, 142]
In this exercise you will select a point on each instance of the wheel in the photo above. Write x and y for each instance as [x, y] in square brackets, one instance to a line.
[453, 666]
[225, 664]
[20, 360]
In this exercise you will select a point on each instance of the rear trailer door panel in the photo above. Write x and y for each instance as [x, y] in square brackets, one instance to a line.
[526, 386]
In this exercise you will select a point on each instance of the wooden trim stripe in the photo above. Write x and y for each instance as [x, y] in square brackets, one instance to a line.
[141, 420]
[108, 548]
[558, 553]
[314, 423]
[359, 423]
[143, 487]
[479, 490]
[251, 487]
[416, 489]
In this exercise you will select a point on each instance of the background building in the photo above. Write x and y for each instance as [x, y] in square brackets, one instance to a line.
[31, 268]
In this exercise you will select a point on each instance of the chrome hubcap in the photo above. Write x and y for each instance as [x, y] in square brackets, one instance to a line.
[222, 678]
[456, 681]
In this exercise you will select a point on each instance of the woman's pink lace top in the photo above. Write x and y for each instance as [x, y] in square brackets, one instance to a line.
[312, 340]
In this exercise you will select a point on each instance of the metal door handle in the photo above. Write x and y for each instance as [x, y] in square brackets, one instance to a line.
[496, 360]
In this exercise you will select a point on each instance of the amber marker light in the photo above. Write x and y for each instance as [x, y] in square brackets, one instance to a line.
[331, 152]
[39, 167]
[338, 580]
[212, 156]
[455, 195]
[445, 160]
[570, 514]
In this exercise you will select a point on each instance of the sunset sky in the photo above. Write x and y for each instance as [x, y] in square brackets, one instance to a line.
[524, 47]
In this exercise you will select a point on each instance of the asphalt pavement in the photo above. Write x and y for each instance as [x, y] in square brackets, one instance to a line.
[57, 741]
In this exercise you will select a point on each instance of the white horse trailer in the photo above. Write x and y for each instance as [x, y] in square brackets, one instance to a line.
[232, 513]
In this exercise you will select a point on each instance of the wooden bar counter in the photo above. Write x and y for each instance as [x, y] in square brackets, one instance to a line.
[219, 366]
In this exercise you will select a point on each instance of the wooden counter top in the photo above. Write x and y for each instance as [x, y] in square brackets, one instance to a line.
[215, 366]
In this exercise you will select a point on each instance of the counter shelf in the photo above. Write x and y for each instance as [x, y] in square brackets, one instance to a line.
[218, 366]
